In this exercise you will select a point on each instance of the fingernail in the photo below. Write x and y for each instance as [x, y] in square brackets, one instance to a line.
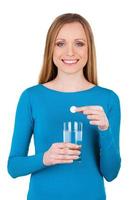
[76, 157]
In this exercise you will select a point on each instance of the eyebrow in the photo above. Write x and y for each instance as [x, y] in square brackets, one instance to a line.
[77, 39]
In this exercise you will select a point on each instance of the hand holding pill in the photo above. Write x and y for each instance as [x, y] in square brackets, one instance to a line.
[95, 114]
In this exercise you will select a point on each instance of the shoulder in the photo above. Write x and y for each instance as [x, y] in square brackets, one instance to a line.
[29, 92]
[108, 95]
[107, 91]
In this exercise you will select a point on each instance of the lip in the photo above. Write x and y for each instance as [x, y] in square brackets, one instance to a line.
[70, 61]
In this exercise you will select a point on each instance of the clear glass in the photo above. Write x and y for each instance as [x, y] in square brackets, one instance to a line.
[73, 132]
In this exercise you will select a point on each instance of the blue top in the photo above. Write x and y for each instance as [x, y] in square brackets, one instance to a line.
[41, 112]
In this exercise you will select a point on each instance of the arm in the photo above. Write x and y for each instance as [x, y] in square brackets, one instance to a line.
[19, 164]
[110, 159]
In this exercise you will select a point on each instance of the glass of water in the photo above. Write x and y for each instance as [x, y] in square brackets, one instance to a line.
[73, 132]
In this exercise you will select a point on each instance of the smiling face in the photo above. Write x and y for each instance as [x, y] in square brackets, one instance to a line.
[71, 49]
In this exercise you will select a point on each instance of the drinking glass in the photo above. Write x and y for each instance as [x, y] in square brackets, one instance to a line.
[73, 132]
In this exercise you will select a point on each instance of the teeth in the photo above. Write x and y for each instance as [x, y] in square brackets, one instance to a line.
[70, 61]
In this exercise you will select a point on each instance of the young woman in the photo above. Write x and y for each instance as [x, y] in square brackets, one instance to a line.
[68, 78]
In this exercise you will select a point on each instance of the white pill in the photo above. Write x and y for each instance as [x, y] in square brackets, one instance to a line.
[73, 109]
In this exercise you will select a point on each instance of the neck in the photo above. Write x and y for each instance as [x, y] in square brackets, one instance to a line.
[70, 82]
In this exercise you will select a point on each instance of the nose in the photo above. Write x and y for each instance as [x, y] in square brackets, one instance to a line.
[70, 50]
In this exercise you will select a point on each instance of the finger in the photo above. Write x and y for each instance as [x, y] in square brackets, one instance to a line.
[94, 117]
[65, 157]
[96, 107]
[91, 112]
[84, 108]
[63, 161]
[68, 152]
[66, 145]
[98, 123]
[81, 108]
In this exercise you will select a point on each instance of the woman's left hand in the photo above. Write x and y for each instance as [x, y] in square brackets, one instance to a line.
[96, 115]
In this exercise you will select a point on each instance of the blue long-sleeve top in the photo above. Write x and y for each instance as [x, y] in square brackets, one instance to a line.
[41, 112]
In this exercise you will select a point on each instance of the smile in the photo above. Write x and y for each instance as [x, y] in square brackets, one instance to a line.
[70, 61]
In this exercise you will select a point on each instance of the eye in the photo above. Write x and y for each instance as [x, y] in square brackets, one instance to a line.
[60, 44]
[80, 44]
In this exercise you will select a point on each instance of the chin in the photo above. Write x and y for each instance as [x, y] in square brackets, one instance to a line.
[71, 71]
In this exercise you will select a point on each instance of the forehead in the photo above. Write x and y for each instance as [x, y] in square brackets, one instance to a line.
[74, 29]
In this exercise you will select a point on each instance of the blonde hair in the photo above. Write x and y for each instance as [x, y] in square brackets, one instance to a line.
[49, 70]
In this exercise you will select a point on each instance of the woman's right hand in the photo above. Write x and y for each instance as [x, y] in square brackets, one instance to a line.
[61, 153]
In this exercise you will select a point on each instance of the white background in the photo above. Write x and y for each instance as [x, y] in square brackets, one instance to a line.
[23, 27]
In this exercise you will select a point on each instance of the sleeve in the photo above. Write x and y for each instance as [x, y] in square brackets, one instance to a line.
[110, 160]
[19, 163]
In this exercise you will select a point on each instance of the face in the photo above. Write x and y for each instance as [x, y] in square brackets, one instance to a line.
[70, 51]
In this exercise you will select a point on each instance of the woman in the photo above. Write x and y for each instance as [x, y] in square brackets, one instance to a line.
[68, 78]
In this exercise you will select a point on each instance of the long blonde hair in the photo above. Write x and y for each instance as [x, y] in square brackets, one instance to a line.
[49, 70]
